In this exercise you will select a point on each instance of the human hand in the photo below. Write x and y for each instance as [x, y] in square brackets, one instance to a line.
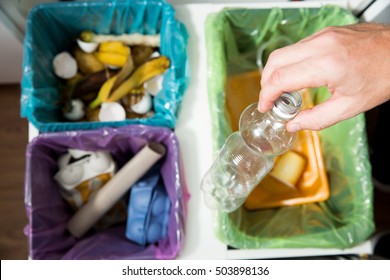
[353, 62]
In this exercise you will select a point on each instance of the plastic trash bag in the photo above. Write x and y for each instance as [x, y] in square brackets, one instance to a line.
[48, 212]
[51, 27]
[233, 37]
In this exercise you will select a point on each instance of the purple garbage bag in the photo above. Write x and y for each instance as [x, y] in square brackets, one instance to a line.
[48, 212]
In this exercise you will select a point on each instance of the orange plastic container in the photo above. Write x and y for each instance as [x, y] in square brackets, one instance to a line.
[312, 186]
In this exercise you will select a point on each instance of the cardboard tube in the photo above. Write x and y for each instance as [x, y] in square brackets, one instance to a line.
[114, 189]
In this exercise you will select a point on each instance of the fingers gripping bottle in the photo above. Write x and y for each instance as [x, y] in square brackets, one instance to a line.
[248, 154]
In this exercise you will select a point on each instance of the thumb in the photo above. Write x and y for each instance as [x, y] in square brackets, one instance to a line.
[320, 116]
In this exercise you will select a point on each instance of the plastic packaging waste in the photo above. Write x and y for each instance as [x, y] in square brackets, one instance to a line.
[148, 210]
[106, 197]
[248, 154]
[233, 37]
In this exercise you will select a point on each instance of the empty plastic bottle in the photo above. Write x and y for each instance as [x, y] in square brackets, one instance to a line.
[248, 154]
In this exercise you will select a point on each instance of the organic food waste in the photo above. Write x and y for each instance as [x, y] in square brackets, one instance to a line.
[110, 77]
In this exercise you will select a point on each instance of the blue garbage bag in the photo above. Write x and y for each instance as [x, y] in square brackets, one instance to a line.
[52, 28]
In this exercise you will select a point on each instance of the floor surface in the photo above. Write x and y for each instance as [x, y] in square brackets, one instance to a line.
[13, 140]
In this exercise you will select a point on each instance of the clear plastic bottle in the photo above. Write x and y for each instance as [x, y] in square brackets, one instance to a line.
[248, 154]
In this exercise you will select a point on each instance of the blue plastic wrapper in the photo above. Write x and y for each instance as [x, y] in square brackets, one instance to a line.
[51, 29]
[48, 212]
[148, 210]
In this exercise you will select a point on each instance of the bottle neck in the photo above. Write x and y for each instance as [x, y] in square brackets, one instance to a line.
[274, 120]
[287, 106]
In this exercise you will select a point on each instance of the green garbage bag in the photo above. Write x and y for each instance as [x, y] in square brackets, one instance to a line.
[233, 37]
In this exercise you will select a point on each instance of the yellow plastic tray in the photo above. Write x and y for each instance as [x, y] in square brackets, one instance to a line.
[242, 90]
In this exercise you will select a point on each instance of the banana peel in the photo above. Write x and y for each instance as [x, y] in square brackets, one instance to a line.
[113, 83]
[125, 72]
[114, 47]
[104, 92]
[112, 59]
[113, 53]
[144, 72]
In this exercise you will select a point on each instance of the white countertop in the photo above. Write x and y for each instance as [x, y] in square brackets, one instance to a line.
[193, 130]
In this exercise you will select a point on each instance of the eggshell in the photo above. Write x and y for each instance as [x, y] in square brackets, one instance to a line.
[154, 85]
[77, 111]
[64, 65]
[144, 106]
[111, 111]
[87, 47]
